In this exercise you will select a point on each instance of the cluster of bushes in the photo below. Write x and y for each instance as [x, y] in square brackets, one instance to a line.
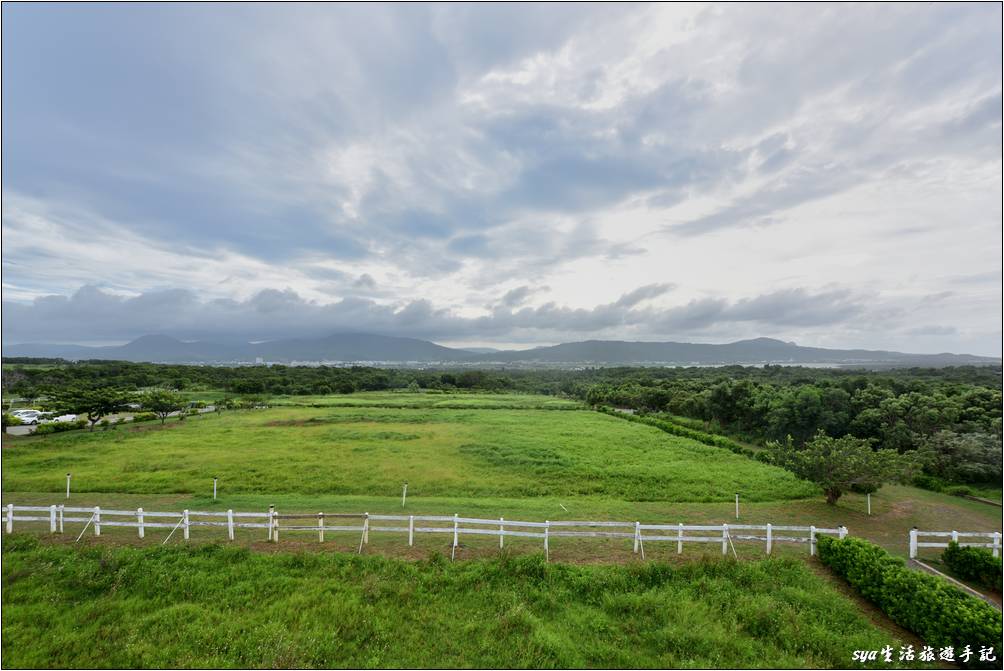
[10, 420]
[928, 606]
[59, 427]
[144, 417]
[686, 432]
[975, 564]
[933, 484]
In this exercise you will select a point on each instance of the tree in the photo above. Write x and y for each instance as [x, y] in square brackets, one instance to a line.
[162, 403]
[841, 464]
[95, 402]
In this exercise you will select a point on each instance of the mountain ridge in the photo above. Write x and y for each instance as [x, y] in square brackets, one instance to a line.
[372, 348]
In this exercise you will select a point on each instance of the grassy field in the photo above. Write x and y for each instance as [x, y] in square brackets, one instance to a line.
[467, 447]
[213, 606]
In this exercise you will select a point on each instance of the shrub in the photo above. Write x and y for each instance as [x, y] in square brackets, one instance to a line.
[59, 427]
[928, 482]
[926, 605]
[144, 417]
[976, 564]
[959, 490]
[11, 420]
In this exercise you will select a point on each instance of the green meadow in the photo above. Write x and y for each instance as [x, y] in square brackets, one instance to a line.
[217, 606]
[468, 446]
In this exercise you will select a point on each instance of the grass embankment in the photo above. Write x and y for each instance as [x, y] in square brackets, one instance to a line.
[474, 454]
[214, 606]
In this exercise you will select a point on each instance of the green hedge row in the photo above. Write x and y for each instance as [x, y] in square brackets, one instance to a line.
[59, 427]
[928, 606]
[686, 432]
[976, 564]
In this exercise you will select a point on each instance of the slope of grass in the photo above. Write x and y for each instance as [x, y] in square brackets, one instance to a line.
[213, 606]
[431, 399]
[441, 452]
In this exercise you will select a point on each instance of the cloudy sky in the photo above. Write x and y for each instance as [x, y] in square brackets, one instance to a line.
[504, 175]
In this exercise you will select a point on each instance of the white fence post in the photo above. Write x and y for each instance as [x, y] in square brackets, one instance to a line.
[453, 553]
[404, 494]
[411, 530]
[320, 527]
[812, 540]
[67, 485]
[841, 532]
[913, 543]
[547, 533]
[501, 532]
[725, 539]
[271, 515]
[275, 526]
[366, 530]
[61, 514]
[214, 489]
[97, 520]
[869, 503]
[997, 544]
[955, 536]
[737, 505]
[637, 535]
[10, 517]
[184, 531]
[770, 537]
[139, 522]
[230, 524]
[52, 519]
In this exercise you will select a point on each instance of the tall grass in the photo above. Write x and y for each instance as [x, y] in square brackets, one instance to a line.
[458, 453]
[215, 606]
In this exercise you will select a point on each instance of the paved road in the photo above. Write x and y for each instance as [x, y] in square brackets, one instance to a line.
[27, 429]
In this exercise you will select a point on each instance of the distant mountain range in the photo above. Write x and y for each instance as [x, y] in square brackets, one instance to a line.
[369, 348]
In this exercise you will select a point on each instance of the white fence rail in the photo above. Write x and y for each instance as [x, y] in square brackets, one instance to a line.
[956, 537]
[365, 523]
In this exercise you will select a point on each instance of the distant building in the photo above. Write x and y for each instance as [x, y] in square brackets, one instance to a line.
[258, 361]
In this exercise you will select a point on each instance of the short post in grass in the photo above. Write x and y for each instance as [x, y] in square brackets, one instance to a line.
[271, 512]
[139, 522]
[770, 537]
[812, 540]
[404, 494]
[62, 514]
[725, 539]
[320, 527]
[214, 489]
[67, 485]
[679, 539]
[637, 535]
[456, 535]
[52, 519]
[184, 524]
[913, 543]
[547, 550]
[501, 533]
[411, 530]
[737, 505]
[10, 518]
[955, 536]
[230, 524]
[869, 499]
[996, 551]
[97, 520]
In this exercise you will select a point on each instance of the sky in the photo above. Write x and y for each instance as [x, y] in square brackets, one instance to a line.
[504, 175]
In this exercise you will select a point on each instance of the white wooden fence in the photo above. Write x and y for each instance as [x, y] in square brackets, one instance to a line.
[954, 536]
[365, 523]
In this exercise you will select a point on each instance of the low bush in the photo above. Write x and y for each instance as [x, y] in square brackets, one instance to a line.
[144, 417]
[11, 420]
[59, 427]
[928, 482]
[925, 604]
[975, 564]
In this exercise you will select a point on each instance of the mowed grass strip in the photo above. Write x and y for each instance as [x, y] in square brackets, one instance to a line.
[427, 399]
[440, 452]
[215, 606]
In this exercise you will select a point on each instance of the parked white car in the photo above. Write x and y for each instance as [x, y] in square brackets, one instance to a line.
[28, 416]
